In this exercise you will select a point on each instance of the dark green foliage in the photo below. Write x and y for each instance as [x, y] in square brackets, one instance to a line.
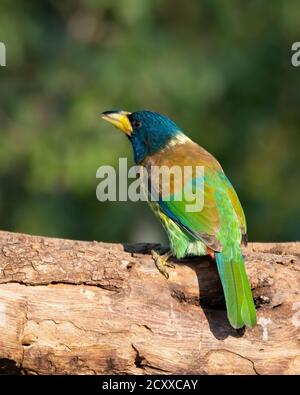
[221, 70]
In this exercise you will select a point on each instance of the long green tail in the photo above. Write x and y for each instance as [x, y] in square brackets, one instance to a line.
[238, 295]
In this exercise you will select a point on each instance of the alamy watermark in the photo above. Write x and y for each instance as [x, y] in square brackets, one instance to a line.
[153, 183]
[295, 59]
[2, 54]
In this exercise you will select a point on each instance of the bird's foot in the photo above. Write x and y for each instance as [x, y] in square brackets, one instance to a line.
[161, 262]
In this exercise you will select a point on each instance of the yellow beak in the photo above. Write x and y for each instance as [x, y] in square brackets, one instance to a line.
[119, 119]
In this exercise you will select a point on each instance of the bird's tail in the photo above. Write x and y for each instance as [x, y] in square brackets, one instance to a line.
[238, 295]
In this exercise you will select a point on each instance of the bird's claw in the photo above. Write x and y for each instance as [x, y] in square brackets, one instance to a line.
[161, 262]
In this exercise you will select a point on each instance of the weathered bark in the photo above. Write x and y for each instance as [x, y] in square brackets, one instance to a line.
[69, 307]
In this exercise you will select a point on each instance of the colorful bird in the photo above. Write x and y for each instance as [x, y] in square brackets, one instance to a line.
[218, 229]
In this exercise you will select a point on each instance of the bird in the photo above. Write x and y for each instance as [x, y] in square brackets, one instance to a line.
[218, 229]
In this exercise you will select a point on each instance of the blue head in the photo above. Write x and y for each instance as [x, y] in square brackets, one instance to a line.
[148, 131]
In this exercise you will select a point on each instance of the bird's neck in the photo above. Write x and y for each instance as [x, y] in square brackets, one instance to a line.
[142, 149]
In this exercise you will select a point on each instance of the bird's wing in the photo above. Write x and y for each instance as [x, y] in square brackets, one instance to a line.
[237, 207]
[205, 223]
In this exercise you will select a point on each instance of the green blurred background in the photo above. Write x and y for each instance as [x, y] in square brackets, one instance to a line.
[221, 70]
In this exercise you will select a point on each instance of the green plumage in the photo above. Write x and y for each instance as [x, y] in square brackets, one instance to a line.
[230, 263]
[238, 296]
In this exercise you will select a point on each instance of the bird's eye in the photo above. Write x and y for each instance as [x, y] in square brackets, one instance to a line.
[137, 124]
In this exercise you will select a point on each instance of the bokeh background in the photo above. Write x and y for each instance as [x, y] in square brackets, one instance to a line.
[221, 70]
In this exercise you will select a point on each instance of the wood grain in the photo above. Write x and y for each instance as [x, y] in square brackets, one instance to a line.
[74, 307]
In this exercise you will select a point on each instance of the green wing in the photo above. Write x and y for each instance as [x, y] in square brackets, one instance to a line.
[237, 206]
[203, 225]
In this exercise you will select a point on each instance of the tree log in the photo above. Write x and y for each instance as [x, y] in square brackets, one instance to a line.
[75, 307]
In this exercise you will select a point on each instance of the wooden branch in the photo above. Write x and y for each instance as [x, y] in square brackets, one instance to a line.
[69, 307]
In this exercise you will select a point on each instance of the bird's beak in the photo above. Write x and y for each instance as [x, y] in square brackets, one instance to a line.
[119, 119]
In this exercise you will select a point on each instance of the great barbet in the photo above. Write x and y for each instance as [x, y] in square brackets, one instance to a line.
[218, 229]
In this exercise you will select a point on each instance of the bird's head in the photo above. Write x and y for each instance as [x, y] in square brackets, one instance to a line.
[148, 131]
